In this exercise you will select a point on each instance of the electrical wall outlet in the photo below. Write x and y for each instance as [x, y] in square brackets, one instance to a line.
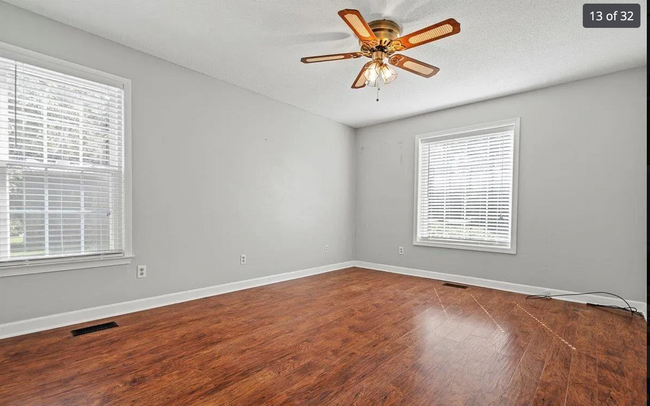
[242, 259]
[401, 250]
[141, 271]
[327, 249]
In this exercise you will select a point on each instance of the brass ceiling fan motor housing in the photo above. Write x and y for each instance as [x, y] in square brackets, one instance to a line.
[385, 31]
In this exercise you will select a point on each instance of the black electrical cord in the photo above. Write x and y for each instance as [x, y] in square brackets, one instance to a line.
[631, 309]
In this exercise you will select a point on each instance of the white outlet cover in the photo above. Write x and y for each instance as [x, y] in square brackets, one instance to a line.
[242, 259]
[327, 248]
[401, 250]
[141, 271]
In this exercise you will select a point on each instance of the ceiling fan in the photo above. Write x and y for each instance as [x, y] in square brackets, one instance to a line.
[380, 41]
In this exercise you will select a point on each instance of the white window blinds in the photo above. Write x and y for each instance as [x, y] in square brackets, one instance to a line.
[61, 165]
[465, 189]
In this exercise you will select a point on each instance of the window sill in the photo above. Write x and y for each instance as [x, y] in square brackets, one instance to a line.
[58, 265]
[511, 251]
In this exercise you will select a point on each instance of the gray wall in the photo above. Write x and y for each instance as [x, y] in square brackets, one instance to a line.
[217, 171]
[582, 188]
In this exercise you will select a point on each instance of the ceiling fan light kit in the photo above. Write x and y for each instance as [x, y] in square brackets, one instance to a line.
[380, 41]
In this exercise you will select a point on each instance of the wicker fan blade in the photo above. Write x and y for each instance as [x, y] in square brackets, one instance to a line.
[360, 80]
[413, 65]
[355, 21]
[429, 34]
[327, 58]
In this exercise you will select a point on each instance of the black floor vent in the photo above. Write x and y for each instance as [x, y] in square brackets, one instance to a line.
[454, 285]
[92, 329]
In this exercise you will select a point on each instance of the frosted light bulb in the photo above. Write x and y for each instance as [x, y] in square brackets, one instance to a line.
[387, 74]
[372, 74]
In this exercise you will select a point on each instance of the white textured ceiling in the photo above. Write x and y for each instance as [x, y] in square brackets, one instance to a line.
[504, 47]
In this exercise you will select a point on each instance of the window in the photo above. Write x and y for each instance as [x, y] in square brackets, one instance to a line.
[466, 188]
[62, 166]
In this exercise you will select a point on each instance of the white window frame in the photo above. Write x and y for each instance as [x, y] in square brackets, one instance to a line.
[9, 51]
[515, 180]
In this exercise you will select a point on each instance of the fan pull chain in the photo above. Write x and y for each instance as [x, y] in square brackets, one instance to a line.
[378, 89]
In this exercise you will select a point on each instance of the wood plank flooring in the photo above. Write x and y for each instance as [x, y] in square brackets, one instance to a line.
[351, 337]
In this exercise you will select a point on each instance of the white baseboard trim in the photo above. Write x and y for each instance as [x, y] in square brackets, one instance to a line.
[101, 312]
[507, 286]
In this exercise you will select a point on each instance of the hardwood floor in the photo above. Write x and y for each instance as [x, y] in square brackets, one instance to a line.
[351, 337]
